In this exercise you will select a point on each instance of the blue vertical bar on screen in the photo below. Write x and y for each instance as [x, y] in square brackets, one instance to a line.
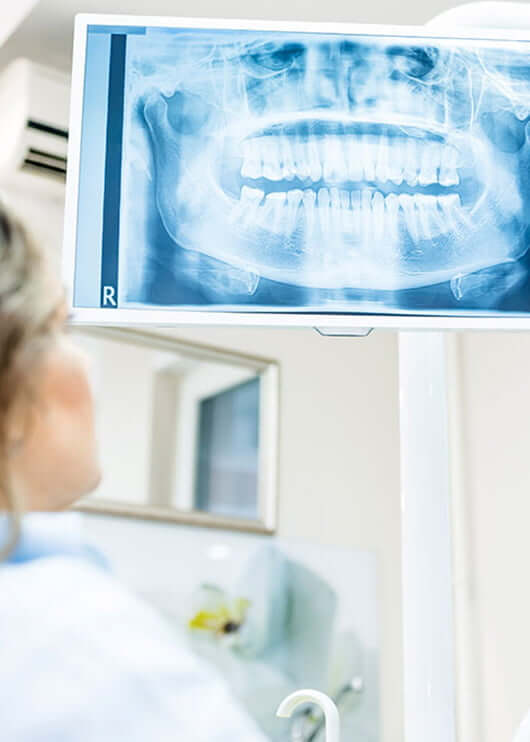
[113, 157]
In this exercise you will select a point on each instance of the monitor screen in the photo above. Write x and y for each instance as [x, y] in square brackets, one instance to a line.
[297, 173]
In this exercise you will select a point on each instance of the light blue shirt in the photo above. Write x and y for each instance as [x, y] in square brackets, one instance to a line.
[523, 733]
[83, 660]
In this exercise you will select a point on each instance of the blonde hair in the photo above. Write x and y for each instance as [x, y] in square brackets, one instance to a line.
[28, 302]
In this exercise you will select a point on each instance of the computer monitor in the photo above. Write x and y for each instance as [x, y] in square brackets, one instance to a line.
[249, 172]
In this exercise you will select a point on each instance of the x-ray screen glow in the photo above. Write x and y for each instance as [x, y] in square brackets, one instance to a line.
[278, 171]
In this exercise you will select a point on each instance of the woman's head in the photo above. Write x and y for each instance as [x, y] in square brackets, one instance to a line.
[48, 454]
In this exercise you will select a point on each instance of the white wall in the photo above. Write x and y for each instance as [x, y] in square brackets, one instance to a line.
[46, 36]
[494, 371]
[339, 463]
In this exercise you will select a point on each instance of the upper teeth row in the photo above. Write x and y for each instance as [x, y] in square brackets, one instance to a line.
[337, 159]
[362, 214]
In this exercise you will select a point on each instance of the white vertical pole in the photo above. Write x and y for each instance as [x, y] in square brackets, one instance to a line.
[428, 631]
[469, 715]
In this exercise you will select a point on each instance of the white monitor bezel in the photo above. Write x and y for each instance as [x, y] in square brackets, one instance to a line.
[264, 318]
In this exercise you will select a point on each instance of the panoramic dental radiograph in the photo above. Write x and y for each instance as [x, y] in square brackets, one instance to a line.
[325, 172]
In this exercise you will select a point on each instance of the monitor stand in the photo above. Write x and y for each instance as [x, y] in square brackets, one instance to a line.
[429, 646]
[344, 332]
[427, 538]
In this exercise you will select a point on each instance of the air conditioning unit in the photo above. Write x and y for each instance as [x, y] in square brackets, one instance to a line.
[34, 103]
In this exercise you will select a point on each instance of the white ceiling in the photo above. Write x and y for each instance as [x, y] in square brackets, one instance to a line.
[46, 34]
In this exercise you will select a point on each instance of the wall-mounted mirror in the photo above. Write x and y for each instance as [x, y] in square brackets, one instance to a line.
[199, 443]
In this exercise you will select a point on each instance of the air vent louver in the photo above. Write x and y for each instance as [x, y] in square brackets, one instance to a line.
[43, 160]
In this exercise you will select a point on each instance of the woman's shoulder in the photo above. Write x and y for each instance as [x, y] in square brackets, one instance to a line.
[63, 598]
[73, 639]
[77, 582]
[68, 600]
[53, 573]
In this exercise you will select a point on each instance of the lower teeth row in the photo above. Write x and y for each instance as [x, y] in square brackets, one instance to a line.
[362, 214]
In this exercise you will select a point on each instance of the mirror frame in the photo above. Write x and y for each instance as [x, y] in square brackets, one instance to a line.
[269, 373]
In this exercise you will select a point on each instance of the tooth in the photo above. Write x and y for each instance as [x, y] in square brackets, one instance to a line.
[322, 144]
[345, 200]
[346, 213]
[308, 200]
[334, 197]
[368, 155]
[294, 198]
[422, 208]
[260, 150]
[301, 159]
[288, 168]
[454, 213]
[448, 166]
[313, 158]
[430, 159]
[326, 159]
[342, 170]
[353, 159]
[355, 197]
[333, 165]
[427, 208]
[271, 158]
[378, 217]
[271, 215]
[447, 205]
[323, 211]
[395, 161]
[366, 218]
[436, 214]
[247, 205]
[381, 170]
[251, 159]
[411, 218]
[335, 214]
[392, 217]
[251, 196]
[410, 173]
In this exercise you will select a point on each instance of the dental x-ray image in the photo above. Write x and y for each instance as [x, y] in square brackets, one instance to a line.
[282, 171]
